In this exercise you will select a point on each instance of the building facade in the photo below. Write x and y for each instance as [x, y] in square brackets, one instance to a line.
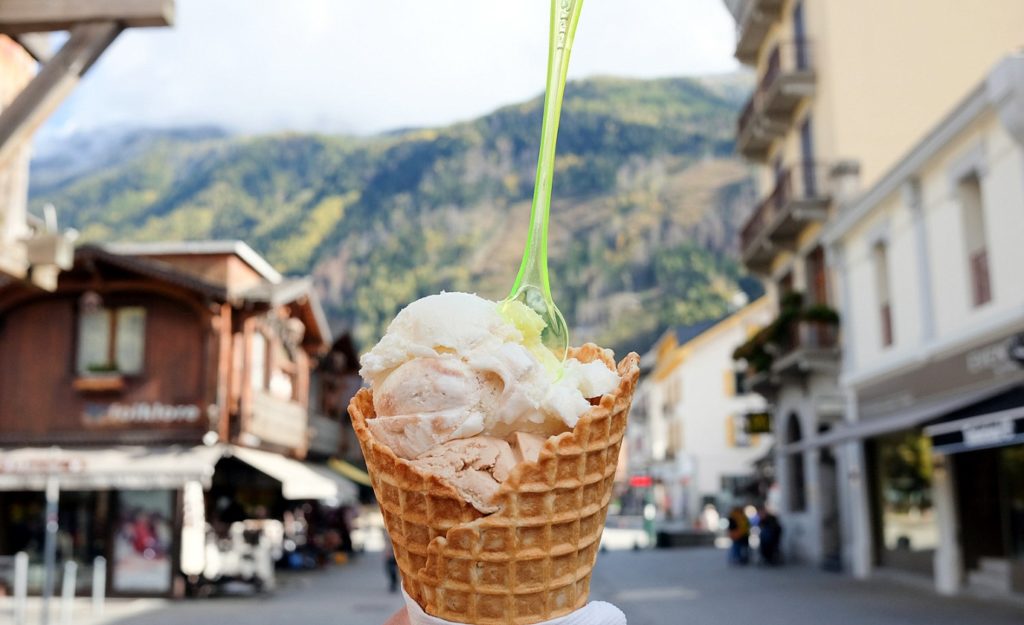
[159, 388]
[689, 420]
[928, 263]
[843, 90]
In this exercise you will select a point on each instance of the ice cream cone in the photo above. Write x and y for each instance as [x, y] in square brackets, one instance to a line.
[532, 559]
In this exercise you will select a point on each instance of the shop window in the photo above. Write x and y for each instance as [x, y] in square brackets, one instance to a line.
[111, 340]
[795, 465]
[969, 191]
[880, 256]
[903, 492]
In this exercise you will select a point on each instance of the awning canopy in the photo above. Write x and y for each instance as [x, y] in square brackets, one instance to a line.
[154, 468]
[125, 468]
[909, 417]
[298, 480]
[352, 472]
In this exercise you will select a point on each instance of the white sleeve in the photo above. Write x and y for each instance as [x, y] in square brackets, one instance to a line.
[594, 613]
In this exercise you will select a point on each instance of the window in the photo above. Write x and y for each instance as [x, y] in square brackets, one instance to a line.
[817, 279]
[111, 340]
[969, 191]
[736, 434]
[283, 373]
[258, 362]
[880, 256]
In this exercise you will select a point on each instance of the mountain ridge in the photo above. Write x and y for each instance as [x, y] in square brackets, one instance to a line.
[647, 203]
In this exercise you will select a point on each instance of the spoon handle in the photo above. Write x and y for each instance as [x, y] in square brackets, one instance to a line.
[565, 16]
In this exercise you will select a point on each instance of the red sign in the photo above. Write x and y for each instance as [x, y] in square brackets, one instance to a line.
[641, 481]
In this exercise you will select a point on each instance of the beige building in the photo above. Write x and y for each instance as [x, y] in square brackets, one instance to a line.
[928, 267]
[843, 91]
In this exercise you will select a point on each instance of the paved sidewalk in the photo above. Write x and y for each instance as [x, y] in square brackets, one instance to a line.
[81, 610]
[652, 587]
[697, 586]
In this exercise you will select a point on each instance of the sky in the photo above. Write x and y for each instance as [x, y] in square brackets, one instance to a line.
[363, 66]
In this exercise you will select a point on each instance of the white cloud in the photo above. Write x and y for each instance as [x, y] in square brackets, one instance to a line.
[365, 65]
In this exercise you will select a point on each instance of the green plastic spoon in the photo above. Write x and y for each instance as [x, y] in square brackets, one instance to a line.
[532, 286]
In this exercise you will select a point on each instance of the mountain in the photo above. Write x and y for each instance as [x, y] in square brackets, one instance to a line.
[648, 200]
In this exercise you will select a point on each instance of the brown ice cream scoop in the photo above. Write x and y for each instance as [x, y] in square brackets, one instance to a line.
[477, 466]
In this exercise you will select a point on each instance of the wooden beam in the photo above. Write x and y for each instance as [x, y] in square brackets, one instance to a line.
[29, 16]
[36, 44]
[52, 84]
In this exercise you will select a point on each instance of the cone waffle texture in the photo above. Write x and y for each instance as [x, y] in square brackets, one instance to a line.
[531, 560]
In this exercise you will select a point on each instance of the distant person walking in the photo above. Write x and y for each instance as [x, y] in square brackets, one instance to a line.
[770, 537]
[390, 564]
[739, 534]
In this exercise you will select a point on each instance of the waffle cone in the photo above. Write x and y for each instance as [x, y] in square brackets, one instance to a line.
[532, 559]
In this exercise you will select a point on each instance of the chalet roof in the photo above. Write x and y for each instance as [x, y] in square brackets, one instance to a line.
[151, 268]
[200, 248]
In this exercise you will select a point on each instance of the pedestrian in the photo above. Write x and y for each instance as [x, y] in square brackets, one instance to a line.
[739, 534]
[770, 537]
[390, 564]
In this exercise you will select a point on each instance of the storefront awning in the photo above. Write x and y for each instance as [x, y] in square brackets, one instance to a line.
[352, 472]
[909, 417]
[125, 468]
[155, 468]
[298, 480]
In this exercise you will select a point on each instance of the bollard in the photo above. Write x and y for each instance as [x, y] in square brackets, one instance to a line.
[99, 585]
[67, 592]
[50, 545]
[20, 587]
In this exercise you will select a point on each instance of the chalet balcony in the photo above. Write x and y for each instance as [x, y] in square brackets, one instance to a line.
[788, 79]
[278, 421]
[753, 26]
[809, 347]
[800, 197]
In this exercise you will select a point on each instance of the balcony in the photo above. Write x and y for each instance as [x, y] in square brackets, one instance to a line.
[752, 27]
[278, 421]
[800, 340]
[788, 79]
[798, 199]
[811, 346]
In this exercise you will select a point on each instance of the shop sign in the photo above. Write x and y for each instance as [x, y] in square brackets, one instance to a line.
[758, 423]
[41, 466]
[139, 413]
[976, 433]
[994, 363]
[987, 434]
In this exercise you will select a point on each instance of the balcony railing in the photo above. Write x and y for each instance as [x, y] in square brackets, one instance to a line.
[809, 346]
[753, 25]
[799, 197]
[787, 79]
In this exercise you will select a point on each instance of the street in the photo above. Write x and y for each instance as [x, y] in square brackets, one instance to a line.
[651, 587]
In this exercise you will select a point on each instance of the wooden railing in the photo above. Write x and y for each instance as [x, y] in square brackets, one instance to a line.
[803, 181]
